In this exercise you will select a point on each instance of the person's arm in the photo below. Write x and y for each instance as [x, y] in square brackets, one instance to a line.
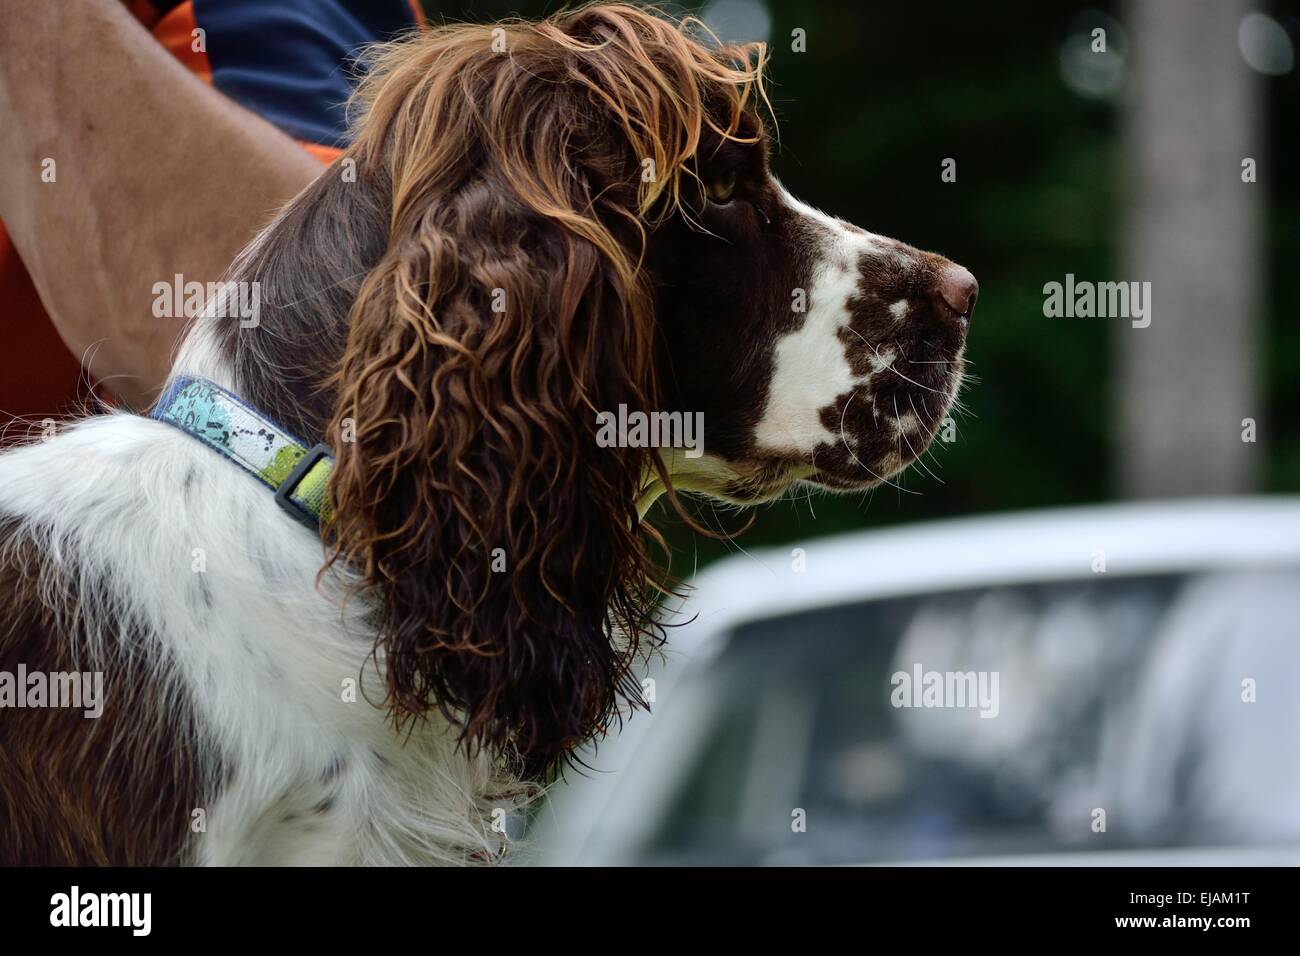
[156, 174]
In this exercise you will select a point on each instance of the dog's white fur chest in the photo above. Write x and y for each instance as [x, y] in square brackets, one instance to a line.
[303, 765]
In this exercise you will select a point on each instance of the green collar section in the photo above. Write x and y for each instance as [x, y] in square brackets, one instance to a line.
[299, 474]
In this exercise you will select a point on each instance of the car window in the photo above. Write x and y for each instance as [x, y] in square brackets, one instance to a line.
[1090, 715]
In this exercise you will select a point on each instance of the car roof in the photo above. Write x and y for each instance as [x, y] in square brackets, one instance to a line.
[1013, 548]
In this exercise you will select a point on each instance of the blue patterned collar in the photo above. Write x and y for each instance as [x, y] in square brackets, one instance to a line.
[299, 474]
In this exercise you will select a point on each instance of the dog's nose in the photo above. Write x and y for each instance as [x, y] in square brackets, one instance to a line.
[959, 289]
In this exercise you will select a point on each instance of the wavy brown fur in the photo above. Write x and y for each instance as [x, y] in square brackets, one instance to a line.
[517, 185]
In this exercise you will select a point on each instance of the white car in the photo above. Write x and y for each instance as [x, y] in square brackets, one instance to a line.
[1113, 684]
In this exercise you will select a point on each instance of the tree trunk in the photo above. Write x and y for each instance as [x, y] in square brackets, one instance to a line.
[1193, 230]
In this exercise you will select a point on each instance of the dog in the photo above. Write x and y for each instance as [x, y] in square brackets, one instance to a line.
[536, 225]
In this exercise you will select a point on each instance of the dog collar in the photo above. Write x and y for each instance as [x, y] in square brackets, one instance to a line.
[298, 473]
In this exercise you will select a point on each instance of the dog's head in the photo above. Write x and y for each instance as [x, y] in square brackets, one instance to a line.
[576, 221]
[816, 350]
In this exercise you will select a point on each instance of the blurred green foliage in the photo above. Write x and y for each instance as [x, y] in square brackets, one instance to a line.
[886, 91]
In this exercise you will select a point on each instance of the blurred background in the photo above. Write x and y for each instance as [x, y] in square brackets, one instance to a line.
[1145, 647]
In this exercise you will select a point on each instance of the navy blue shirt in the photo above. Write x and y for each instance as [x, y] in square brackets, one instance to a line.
[291, 61]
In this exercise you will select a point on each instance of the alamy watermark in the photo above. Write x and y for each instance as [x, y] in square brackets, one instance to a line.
[946, 689]
[132, 911]
[218, 300]
[1102, 300]
[77, 690]
[636, 429]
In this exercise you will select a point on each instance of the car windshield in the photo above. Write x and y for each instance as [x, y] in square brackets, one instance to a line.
[1090, 715]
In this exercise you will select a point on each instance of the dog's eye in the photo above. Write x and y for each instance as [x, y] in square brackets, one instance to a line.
[721, 188]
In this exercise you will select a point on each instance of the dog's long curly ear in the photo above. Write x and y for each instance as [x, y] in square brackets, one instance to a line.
[509, 309]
